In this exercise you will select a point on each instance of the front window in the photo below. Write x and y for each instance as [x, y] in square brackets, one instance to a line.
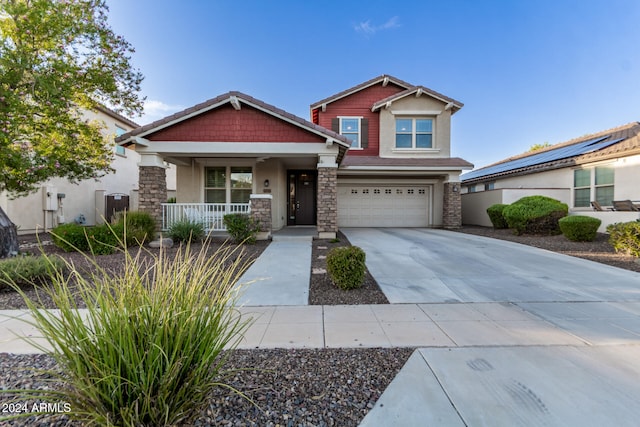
[120, 150]
[350, 128]
[228, 184]
[588, 186]
[414, 133]
[604, 185]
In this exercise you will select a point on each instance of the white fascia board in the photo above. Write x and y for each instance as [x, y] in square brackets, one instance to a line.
[397, 171]
[416, 112]
[405, 168]
[242, 148]
[183, 118]
[296, 123]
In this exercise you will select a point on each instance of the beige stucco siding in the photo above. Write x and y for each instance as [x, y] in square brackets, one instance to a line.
[409, 107]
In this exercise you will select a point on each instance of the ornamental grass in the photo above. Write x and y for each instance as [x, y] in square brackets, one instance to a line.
[149, 348]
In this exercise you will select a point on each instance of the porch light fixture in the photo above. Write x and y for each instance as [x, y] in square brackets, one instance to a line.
[455, 188]
[266, 183]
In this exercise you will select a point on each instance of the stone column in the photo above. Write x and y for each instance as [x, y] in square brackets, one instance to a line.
[152, 186]
[260, 205]
[452, 205]
[327, 220]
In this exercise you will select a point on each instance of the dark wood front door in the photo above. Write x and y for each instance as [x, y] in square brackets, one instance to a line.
[302, 198]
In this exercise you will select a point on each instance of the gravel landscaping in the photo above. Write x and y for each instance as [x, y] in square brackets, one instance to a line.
[326, 387]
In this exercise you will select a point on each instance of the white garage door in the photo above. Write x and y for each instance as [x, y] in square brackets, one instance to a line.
[383, 205]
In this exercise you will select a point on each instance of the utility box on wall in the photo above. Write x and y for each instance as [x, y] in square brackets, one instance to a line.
[49, 199]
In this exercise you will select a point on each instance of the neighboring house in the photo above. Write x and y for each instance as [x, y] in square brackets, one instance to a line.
[587, 173]
[60, 201]
[386, 161]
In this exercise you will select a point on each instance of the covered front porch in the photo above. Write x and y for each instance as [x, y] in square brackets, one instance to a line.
[235, 154]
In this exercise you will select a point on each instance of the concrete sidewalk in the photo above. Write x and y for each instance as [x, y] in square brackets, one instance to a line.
[412, 325]
[478, 364]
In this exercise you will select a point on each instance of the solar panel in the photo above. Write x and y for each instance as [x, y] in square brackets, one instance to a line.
[560, 153]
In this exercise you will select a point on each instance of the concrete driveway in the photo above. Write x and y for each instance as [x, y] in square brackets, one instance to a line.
[539, 297]
[430, 266]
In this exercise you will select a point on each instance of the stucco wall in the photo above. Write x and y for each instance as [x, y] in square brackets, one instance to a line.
[410, 105]
[474, 205]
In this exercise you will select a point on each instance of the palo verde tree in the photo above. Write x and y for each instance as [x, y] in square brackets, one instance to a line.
[59, 58]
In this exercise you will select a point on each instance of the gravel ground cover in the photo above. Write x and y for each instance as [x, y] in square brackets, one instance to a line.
[329, 387]
[326, 387]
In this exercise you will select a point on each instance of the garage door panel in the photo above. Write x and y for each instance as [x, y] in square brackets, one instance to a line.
[374, 205]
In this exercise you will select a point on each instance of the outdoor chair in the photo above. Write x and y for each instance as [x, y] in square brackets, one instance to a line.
[624, 205]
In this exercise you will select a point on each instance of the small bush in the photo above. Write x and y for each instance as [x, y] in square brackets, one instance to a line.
[496, 217]
[149, 348]
[535, 215]
[579, 228]
[346, 266]
[105, 239]
[186, 231]
[625, 237]
[70, 237]
[28, 270]
[139, 226]
[241, 227]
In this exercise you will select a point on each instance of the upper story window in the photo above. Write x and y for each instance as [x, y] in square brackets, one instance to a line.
[414, 133]
[119, 148]
[350, 127]
[593, 184]
[489, 186]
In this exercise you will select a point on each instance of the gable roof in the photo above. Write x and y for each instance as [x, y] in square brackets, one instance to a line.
[235, 99]
[623, 140]
[117, 116]
[452, 104]
[384, 79]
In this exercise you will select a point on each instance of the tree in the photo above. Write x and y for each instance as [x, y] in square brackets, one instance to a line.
[59, 58]
[536, 147]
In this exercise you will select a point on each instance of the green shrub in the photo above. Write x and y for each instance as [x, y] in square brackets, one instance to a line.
[149, 348]
[496, 217]
[139, 226]
[28, 270]
[346, 266]
[105, 239]
[579, 228]
[625, 237]
[70, 237]
[186, 231]
[241, 227]
[535, 215]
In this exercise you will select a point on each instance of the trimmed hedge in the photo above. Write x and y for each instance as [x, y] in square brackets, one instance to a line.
[346, 266]
[535, 215]
[70, 237]
[625, 237]
[496, 216]
[579, 228]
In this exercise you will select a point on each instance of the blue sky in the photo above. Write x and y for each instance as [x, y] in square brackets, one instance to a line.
[527, 71]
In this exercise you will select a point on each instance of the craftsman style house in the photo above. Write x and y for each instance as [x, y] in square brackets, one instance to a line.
[595, 175]
[376, 155]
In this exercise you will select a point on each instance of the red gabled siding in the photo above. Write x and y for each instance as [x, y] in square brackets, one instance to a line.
[359, 104]
[225, 124]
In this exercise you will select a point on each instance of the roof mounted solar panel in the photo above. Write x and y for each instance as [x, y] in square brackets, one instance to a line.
[559, 153]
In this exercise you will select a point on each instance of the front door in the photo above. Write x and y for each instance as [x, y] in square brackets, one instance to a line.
[302, 198]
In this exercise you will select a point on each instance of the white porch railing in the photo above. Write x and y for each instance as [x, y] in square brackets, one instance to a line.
[209, 214]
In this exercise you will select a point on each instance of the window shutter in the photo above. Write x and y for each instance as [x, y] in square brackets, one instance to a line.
[364, 135]
[335, 125]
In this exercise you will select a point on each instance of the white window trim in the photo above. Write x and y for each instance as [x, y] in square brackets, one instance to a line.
[227, 183]
[359, 118]
[592, 184]
[413, 148]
